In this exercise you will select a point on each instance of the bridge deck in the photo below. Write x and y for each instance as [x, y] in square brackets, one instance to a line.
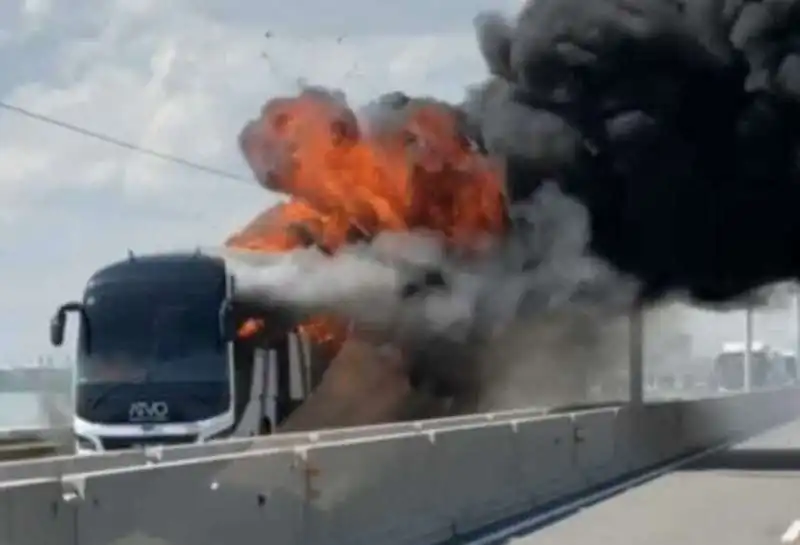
[746, 495]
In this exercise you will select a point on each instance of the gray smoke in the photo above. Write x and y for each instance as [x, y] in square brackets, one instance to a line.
[407, 289]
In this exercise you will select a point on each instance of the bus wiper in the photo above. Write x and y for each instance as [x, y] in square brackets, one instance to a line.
[107, 391]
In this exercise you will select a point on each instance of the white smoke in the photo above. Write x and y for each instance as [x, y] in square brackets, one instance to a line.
[364, 283]
[384, 286]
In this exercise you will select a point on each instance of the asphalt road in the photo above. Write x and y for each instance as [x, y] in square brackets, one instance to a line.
[747, 495]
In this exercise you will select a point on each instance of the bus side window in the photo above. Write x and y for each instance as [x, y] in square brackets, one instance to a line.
[262, 360]
[298, 382]
[243, 357]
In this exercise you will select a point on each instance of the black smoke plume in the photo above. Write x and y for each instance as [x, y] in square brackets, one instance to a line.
[674, 125]
[675, 122]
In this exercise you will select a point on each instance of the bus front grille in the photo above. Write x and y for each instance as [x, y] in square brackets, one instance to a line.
[120, 443]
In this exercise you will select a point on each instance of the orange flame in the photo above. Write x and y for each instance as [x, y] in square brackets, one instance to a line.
[422, 175]
[250, 327]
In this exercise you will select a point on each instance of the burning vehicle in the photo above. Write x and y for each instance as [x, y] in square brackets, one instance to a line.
[613, 157]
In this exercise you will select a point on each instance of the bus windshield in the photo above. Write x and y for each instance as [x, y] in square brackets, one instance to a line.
[153, 333]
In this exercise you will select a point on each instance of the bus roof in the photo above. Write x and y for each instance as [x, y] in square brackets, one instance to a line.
[153, 267]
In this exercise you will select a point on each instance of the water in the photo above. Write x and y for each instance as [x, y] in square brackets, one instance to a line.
[22, 410]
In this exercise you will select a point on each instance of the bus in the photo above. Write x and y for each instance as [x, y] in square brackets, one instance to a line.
[787, 366]
[159, 359]
[768, 368]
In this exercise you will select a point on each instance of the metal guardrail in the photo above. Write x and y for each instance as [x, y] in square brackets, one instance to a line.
[32, 443]
[36, 442]
[25, 451]
[391, 485]
[29, 433]
[29, 443]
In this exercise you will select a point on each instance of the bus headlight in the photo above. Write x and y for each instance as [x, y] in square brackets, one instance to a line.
[84, 444]
[223, 434]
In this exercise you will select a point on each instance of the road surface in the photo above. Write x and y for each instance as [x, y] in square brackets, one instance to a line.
[747, 495]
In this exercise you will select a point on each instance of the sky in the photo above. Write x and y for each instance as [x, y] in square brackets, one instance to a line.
[180, 77]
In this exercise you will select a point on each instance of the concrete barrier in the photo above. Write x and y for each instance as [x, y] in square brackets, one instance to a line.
[58, 466]
[596, 444]
[30, 443]
[12, 436]
[382, 487]
[649, 435]
[31, 432]
[406, 485]
[546, 452]
[155, 454]
[26, 451]
[244, 498]
[718, 420]
[34, 513]
[478, 465]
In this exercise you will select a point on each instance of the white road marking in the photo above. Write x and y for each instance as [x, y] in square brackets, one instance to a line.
[792, 533]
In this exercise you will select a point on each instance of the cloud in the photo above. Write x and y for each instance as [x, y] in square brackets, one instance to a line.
[180, 77]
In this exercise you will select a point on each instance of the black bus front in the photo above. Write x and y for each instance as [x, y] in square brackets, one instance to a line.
[154, 362]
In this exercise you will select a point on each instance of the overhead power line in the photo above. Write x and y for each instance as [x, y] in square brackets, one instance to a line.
[121, 143]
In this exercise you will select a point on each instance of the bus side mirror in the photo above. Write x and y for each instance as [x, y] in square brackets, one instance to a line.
[57, 324]
[227, 322]
[59, 321]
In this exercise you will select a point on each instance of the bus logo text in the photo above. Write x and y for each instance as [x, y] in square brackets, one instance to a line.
[148, 411]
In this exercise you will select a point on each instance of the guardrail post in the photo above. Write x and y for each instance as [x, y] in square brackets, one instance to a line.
[636, 356]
